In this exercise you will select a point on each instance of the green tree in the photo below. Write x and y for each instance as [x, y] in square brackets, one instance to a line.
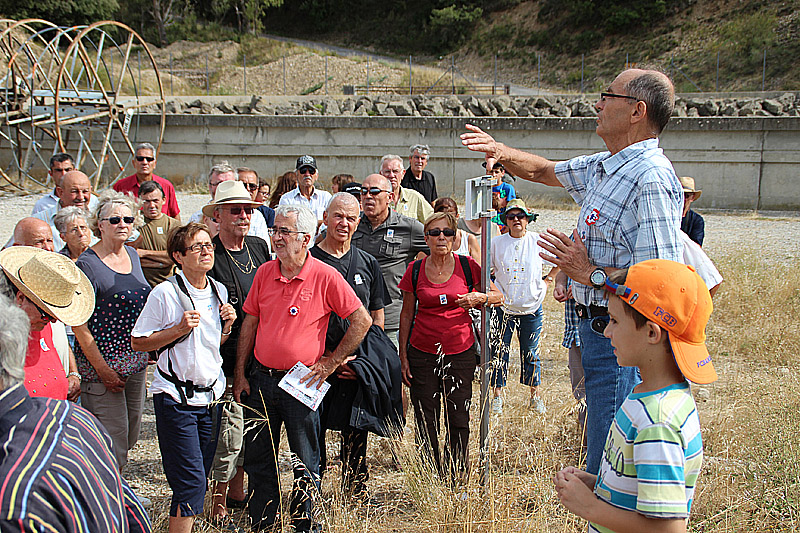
[61, 12]
[249, 13]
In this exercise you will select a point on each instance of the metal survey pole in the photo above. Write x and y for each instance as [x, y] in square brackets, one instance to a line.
[478, 200]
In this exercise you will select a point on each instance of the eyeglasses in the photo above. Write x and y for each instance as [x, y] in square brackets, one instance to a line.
[77, 230]
[283, 232]
[141, 158]
[603, 97]
[251, 186]
[200, 246]
[516, 216]
[42, 313]
[620, 290]
[372, 191]
[435, 232]
[236, 211]
[116, 220]
[306, 170]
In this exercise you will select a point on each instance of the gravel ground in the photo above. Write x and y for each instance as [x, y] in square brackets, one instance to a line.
[724, 234]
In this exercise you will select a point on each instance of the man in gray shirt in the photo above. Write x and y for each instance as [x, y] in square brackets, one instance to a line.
[393, 239]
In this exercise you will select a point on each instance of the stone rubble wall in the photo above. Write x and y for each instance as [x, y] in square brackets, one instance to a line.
[785, 105]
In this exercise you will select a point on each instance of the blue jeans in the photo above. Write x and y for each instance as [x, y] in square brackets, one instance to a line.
[268, 408]
[607, 386]
[529, 329]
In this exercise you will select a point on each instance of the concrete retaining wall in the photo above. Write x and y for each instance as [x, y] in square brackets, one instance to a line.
[739, 163]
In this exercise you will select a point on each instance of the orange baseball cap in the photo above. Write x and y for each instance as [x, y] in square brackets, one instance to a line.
[675, 297]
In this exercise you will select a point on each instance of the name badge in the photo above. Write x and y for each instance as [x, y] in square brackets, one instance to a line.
[357, 279]
[45, 347]
[443, 299]
[160, 231]
[389, 233]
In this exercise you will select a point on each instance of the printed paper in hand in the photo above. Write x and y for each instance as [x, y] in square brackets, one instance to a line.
[311, 397]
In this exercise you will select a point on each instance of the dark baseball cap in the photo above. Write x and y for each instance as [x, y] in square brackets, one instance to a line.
[353, 188]
[306, 161]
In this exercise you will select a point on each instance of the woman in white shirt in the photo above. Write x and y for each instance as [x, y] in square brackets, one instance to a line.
[185, 320]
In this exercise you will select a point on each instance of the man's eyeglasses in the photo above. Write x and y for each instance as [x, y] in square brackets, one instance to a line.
[517, 215]
[141, 158]
[372, 191]
[603, 97]
[200, 246]
[251, 186]
[283, 232]
[305, 170]
[116, 220]
[435, 232]
[236, 211]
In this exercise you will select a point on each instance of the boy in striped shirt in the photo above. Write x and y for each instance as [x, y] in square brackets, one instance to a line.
[658, 312]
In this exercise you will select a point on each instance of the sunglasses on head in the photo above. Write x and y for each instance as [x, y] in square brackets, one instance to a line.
[116, 220]
[238, 210]
[516, 216]
[141, 158]
[436, 232]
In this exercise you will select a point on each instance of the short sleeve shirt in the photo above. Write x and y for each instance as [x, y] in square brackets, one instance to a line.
[362, 272]
[631, 205]
[131, 185]
[119, 298]
[154, 237]
[413, 204]
[394, 243]
[441, 326]
[293, 313]
[426, 185]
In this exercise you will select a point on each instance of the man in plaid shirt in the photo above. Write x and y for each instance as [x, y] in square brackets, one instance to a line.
[631, 205]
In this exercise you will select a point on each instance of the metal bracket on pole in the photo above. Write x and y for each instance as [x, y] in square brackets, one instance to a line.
[478, 200]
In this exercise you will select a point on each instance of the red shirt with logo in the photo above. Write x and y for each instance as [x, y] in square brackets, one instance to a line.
[44, 372]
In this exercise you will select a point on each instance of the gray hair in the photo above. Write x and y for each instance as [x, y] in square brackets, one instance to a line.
[306, 221]
[145, 146]
[391, 157]
[67, 215]
[346, 198]
[14, 330]
[655, 89]
[106, 202]
[423, 149]
[221, 168]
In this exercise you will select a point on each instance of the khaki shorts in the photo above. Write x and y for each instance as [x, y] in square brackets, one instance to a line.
[230, 452]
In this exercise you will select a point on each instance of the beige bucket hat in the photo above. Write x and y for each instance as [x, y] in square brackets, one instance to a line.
[51, 281]
[229, 192]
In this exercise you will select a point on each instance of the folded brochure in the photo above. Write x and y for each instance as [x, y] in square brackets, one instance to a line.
[309, 396]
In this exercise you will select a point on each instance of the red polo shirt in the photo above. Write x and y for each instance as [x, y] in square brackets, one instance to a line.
[293, 313]
[131, 185]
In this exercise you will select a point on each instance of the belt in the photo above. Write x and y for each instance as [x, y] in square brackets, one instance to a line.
[258, 367]
[591, 311]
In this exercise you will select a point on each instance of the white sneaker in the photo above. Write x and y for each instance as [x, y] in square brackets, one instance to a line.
[537, 404]
[497, 405]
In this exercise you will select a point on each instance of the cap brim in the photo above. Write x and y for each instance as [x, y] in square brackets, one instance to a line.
[693, 360]
[75, 314]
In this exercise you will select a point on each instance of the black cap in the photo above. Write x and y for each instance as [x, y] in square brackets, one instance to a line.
[496, 165]
[353, 188]
[306, 161]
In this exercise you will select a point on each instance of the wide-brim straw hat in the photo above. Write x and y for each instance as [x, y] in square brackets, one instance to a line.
[51, 281]
[229, 192]
[688, 186]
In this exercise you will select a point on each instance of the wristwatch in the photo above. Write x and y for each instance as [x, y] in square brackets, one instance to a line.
[598, 278]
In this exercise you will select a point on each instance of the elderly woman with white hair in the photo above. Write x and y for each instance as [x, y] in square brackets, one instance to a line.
[71, 223]
[113, 373]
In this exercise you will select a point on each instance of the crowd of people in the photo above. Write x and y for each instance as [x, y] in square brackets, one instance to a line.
[267, 296]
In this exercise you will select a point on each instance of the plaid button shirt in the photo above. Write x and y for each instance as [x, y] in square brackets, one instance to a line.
[571, 319]
[631, 204]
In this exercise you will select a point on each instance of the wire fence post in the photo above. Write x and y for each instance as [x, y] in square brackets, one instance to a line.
[453, 73]
[207, 83]
[171, 75]
[367, 76]
[284, 74]
[326, 74]
[582, 57]
[139, 61]
[764, 71]
[410, 85]
[538, 72]
[494, 85]
[627, 63]
[244, 71]
[716, 84]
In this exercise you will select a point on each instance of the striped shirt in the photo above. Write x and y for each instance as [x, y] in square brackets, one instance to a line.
[653, 455]
[631, 205]
[57, 472]
[571, 321]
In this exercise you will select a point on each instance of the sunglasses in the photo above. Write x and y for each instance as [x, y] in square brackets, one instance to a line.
[436, 232]
[235, 211]
[42, 313]
[372, 191]
[116, 220]
[516, 216]
[141, 158]
[251, 186]
[200, 246]
[306, 170]
[604, 96]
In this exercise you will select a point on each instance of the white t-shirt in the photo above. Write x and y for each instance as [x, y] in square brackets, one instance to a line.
[197, 358]
[518, 272]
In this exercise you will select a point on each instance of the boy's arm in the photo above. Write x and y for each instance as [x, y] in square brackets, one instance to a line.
[576, 496]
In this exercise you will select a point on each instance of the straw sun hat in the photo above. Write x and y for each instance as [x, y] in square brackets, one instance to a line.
[51, 281]
[229, 192]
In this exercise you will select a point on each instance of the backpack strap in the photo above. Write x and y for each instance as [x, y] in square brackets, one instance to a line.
[467, 271]
[415, 275]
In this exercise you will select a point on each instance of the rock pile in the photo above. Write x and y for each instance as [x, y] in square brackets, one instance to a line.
[474, 106]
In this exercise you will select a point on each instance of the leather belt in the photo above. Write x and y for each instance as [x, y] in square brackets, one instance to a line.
[591, 311]
[258, 367]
